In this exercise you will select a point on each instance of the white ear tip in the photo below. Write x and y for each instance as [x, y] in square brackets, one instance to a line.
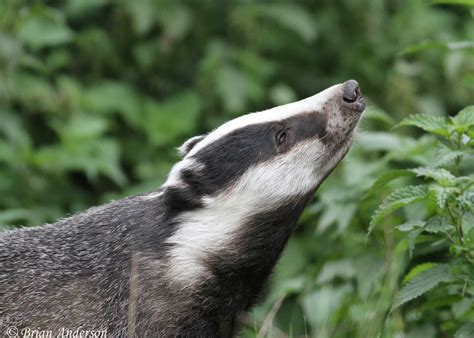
[184, 149]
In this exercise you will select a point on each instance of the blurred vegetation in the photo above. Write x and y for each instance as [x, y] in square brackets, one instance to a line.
[95, 95]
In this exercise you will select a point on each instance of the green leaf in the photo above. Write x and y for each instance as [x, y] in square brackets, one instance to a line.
[81, 127]
[342, 268]
[445, 156]
[422, 283]
[142, 15]
[339, 213]
[421, 47]
[92, 156]
[465, 331]
[442, 194]
[289, 16]
[385, 178]
[370, 270]
[294, 18]
[320, 305]
[427, 330]
[437, 224]
[417, 270]
[232, 88]
[440, 175]
[460, 308]
[282, 93]
[427, 45]
[46, 28]
[434, 124]
[114, 96]
[412, 236]
[468, 3]
[465, 118]
[397, 199]
[377, 114]
[468, 221]
[32, 216]
[409, 226]
[175, 18]
[34, 92]
[173, 117]
[419, 151]
[373, 141]
[77, 8]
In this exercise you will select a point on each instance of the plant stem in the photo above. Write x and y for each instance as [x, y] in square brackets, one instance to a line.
[457, 225]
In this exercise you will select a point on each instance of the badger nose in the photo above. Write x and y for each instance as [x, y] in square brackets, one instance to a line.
[351, 91]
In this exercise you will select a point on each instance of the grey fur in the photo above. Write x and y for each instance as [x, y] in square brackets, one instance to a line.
[76, 273]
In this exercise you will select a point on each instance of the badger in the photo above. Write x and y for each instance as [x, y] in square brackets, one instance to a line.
[187, 259]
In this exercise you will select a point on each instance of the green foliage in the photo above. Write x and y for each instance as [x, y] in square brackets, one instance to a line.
[96, 94]
[434, 124]
[399, 198]
[422, 283]
[451, 221]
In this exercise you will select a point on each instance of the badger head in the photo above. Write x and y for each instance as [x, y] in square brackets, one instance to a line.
[251, 177]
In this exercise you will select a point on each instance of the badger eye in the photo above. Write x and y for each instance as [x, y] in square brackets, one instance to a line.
[281, 137]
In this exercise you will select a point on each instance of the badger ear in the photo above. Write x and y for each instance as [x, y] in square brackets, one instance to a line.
[189, 144]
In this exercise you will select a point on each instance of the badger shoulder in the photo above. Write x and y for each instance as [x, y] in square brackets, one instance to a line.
[98, 241]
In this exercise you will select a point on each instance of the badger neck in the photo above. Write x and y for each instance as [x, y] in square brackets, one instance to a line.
[231, 244]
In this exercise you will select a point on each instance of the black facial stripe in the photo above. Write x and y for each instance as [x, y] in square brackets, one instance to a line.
[307, 126]
[229, 157]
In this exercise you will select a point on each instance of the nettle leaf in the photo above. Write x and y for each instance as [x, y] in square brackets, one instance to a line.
[386, 177]
[397, 199]
[442, 194]
[412, 236]
[43, 28]
[175, 18]
[465, 118]
[444, 155]
[422, 283]
[102, 98]
[409, 226]
[468, 223]
[289, 16]
[323, 303]
[383, 141]
[417, 270]
[419, 151]
[434, 124]
[440, 175]
[466, 331]
[466, 139]
[437, 224]
[342, 268]
[175, 116]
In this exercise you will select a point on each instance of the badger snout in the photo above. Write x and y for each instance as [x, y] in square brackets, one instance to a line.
[352, 95]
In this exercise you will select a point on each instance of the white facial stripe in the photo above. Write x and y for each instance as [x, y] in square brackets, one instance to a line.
[312, 103]
[260, 189]
[174, 177]
[290, 174]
